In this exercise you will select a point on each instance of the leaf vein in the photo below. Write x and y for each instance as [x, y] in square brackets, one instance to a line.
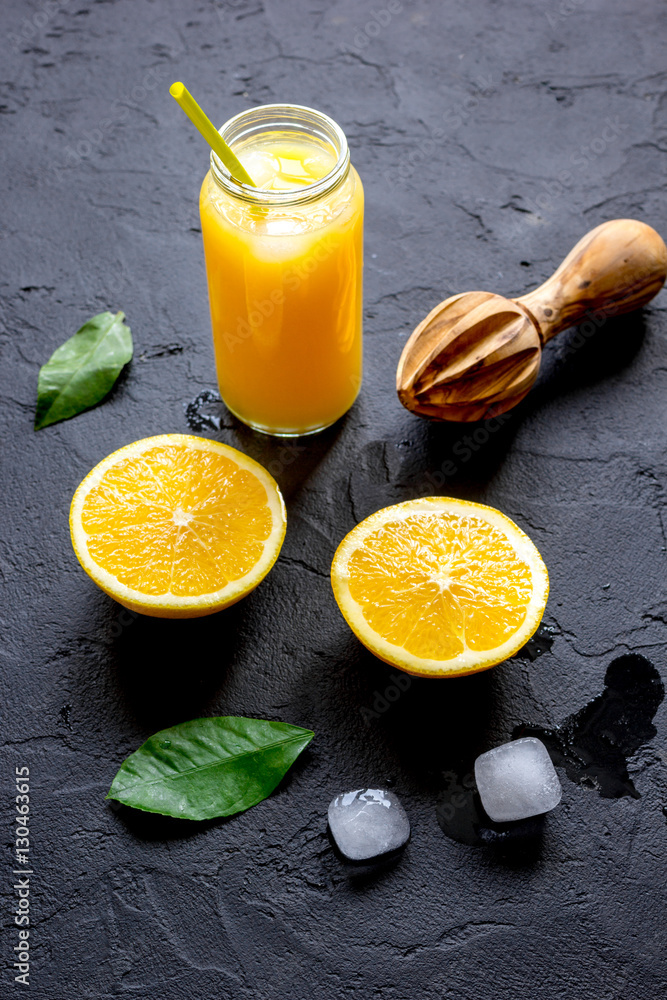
[215, 763]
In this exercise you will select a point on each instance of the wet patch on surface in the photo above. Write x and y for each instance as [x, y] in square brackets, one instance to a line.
[205, 412]
[539, 643]
[160, 351]
[593, 745]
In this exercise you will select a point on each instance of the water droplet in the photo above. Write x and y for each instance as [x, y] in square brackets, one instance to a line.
[540, 643]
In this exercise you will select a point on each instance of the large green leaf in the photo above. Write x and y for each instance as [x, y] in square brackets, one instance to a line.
[209, 767]
[83, 369]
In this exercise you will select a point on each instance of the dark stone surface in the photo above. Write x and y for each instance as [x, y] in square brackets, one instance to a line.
[100, 177]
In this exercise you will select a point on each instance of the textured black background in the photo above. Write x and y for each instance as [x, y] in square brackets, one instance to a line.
[100, 177]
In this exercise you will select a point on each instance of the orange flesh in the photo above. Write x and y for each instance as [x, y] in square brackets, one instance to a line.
[436, 584]
[177, 520]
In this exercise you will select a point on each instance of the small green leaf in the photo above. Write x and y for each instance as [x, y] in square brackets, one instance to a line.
[82, 370]
[209, 767]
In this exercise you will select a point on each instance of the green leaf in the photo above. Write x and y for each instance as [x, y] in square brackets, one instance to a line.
[209, 767]
[82, 370]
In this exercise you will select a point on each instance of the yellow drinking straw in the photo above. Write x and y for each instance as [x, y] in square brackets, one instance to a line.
[182, 95]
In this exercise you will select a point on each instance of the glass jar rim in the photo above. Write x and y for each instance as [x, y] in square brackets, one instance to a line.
[269, 116]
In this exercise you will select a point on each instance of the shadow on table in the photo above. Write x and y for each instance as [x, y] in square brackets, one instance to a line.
[463, 458]
[578, 359]
[169, 669]
[291, 461]
[428, 733]
[364, 877]
[153, 827]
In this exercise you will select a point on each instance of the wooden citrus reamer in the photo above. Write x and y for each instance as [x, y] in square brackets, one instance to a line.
[477, 354]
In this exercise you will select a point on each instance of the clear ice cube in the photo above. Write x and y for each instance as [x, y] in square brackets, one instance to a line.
[517, 780]
[368, 823]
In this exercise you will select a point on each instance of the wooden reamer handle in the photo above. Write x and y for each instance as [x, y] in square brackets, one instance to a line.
[617, 267]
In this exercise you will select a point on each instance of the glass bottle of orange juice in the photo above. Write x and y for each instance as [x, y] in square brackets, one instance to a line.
[284, 268]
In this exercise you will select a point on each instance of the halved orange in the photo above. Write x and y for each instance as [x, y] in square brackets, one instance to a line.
[440, 587]
[177, 526]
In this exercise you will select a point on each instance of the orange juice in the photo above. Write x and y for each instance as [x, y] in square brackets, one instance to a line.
[284, 266]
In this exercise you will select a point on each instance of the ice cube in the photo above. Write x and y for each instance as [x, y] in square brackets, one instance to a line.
[368, 823]
[517, 780]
